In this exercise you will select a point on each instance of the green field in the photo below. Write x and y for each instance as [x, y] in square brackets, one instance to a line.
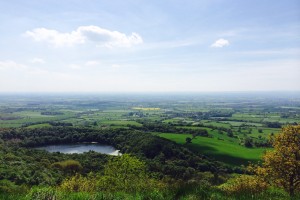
[119, 123]
[226, 151]
[33, 117]
[39, 126]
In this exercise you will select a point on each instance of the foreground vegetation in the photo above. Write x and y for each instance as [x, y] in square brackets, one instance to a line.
[134, 176]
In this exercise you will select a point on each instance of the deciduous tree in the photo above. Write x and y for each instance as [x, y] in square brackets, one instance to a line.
[281, 166]
[125, 173]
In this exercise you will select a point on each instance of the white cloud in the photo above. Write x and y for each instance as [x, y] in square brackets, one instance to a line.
[220, 43]
[54, 37]
[74, 66]
[84, 34]
[10, 64]
[92, 63]
[37, 61]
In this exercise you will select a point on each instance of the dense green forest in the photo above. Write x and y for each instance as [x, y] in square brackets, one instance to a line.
[170, 148]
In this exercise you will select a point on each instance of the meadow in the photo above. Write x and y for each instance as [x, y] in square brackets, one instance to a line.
[227, 151]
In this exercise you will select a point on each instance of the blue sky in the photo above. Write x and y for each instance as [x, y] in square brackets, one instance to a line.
[149, 46]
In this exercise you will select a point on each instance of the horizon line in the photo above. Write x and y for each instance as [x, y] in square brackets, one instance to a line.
[146, 92]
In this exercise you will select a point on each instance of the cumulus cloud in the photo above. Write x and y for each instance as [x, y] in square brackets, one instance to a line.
[54, 37]
[220, 43]
[84, 34]
[37, 61]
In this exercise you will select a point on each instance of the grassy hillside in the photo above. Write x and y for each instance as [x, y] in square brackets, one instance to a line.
[222, 150]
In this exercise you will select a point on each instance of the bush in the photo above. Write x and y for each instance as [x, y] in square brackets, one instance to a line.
[46, 193]
[79, 183]
[121, 174]
[69, 166]
[244, 184]
[8, 187]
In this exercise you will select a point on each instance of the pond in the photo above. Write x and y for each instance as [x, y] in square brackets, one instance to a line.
[81, 148]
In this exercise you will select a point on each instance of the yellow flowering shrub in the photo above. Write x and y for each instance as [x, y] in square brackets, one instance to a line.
[79, 183]
[244, 184]
[281, 166]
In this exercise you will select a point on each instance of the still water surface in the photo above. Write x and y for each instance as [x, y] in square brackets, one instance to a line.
[80, 148]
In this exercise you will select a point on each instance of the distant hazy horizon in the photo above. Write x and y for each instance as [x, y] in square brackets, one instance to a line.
[278, 94]
[74, 46]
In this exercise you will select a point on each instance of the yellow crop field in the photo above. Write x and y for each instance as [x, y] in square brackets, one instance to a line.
[145, 109]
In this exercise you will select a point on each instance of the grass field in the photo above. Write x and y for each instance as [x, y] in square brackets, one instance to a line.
[226, 151]
[119, 123]
[215, 123]
[266, 132]
[40, 125]
[33, 117]
[235, 123]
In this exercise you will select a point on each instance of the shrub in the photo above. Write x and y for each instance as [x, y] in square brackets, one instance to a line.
[244, 184]
[79, 183]
[69, 166]
[45, 193]
[9, 187]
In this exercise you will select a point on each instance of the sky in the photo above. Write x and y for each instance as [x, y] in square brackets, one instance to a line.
[149, 46]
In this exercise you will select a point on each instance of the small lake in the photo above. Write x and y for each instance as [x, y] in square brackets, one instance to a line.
[81, 148]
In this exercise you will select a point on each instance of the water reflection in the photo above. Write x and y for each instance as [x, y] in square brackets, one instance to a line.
[81, 148]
